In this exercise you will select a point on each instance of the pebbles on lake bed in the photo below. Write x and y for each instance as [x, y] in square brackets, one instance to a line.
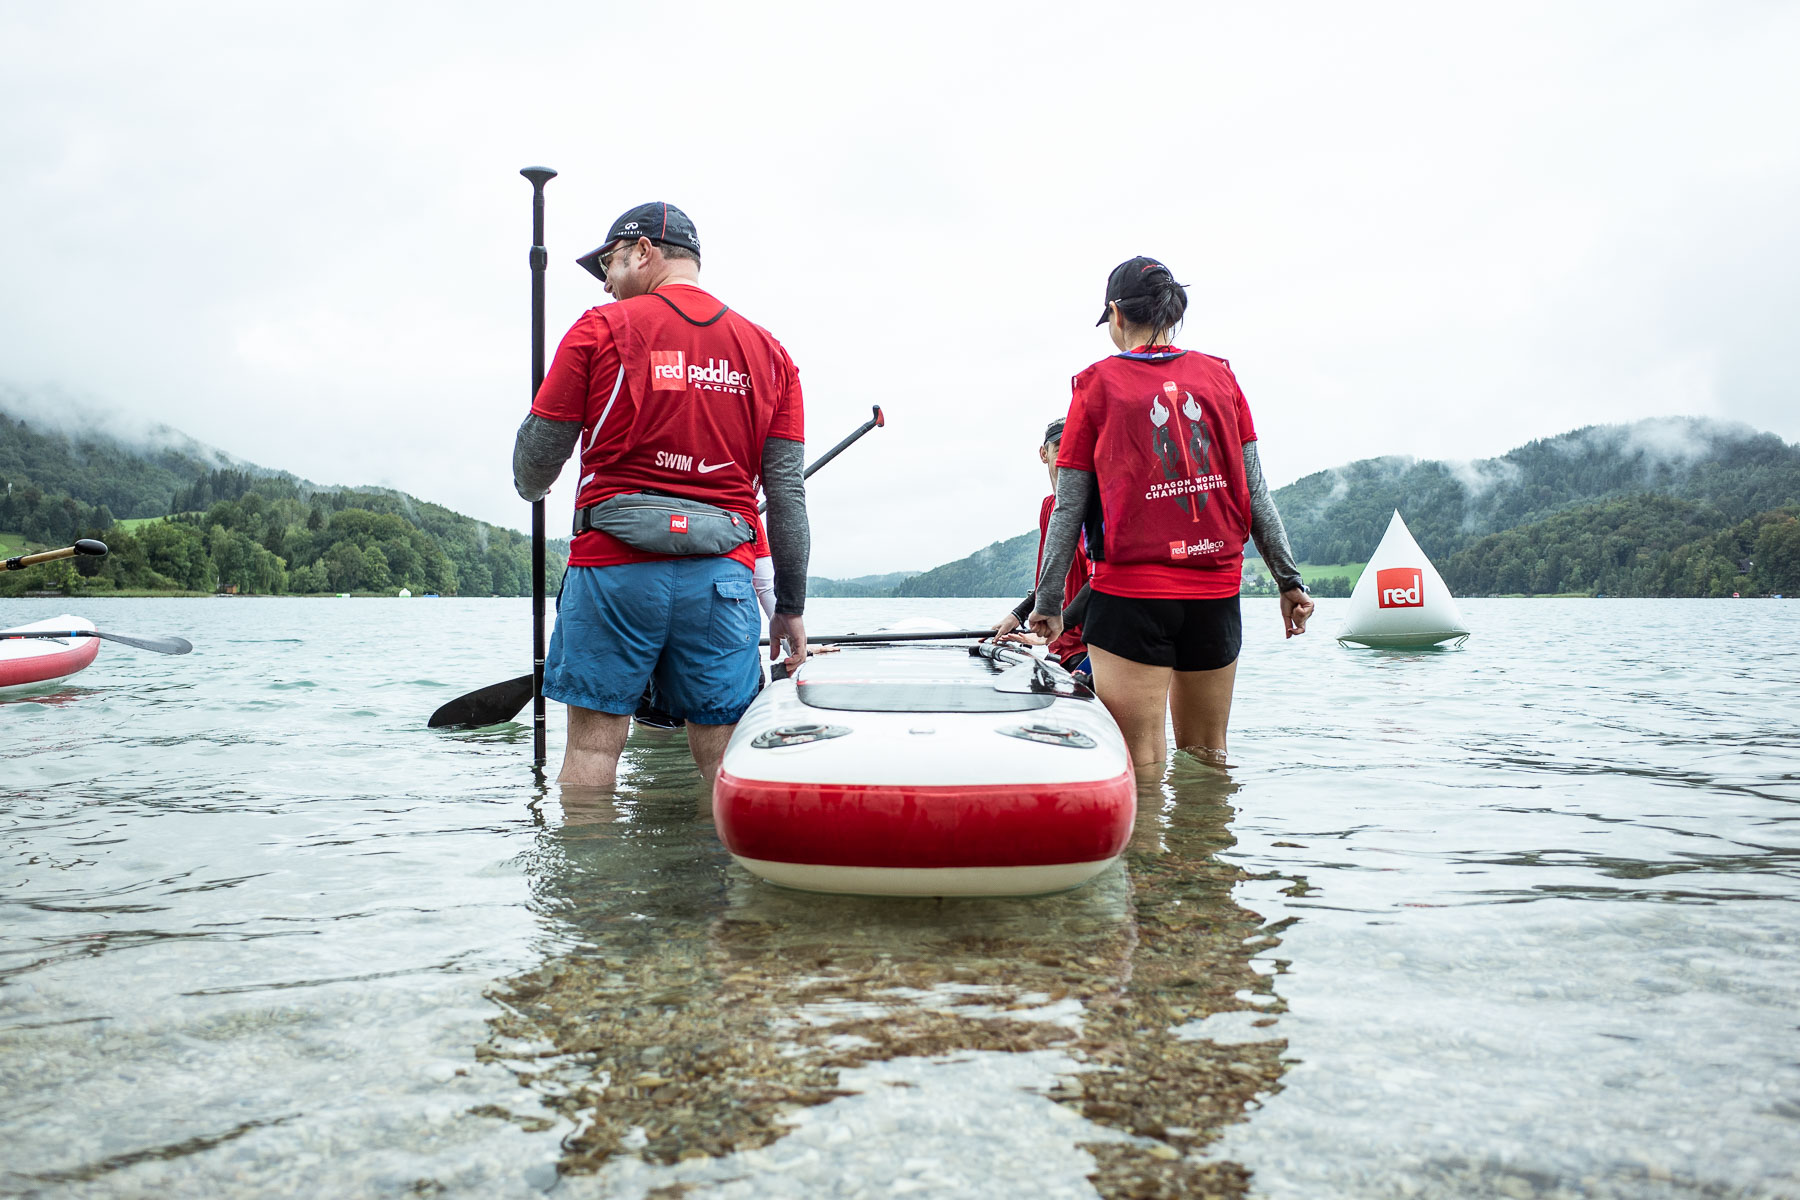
[766, 1018]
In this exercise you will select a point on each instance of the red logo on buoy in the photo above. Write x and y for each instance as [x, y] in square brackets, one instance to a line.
[1400, 587]
[677, 522]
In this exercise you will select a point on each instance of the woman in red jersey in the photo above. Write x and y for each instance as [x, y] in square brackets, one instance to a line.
[1158, 462]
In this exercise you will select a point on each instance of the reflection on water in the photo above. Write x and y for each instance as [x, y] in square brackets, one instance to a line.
[692, 1012]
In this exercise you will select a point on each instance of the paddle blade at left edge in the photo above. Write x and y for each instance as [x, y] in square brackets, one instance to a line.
[488, 706]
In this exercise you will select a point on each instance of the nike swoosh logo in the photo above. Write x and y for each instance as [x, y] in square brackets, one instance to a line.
[705, 470]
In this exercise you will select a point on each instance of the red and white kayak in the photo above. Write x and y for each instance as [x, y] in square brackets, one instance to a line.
[924, 769]
[34, 662]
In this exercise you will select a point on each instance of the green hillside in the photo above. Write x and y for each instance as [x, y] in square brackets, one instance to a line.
[1668, 507]
[128, 481]
[860, 586]
[1643, 546]
[1002, 569]
[234, 526]
[1340, 515]
[1673, 507]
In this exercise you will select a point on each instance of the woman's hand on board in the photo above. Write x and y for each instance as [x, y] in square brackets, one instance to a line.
[1296, 609]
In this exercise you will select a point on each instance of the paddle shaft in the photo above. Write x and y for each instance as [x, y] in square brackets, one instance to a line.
[873, 422]
[86, 546]
[540, 260]
[851, 639]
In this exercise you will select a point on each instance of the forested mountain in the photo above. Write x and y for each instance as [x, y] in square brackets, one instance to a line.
[1002, 569]
[861, 585]
[1667, 507]
[1339, 515]
[98, 471]
[1675, 507]
[1642, 546]
[223, 524]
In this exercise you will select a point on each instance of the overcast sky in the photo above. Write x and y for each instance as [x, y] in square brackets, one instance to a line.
[297, 232]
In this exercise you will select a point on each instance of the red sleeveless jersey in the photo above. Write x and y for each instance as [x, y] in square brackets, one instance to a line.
[1163, 431]
[675, 394]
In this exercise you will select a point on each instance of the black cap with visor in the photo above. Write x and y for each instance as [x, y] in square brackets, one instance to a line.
[1133, 279]
[658, 220]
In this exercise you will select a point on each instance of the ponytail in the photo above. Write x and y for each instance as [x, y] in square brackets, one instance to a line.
[1162, 309]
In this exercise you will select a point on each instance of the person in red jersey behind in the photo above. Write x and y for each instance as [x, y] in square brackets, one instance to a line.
[680, 409]
[1158, 462]
[1068, 649]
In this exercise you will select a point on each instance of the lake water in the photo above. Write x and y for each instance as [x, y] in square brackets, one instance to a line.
[1516, 920]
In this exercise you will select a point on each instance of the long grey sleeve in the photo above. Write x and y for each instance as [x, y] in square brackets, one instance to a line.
[1072, 490]
[790, 534]
[539, 452]
[1266, 529]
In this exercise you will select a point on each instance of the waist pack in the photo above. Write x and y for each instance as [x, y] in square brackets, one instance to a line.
[662, 524]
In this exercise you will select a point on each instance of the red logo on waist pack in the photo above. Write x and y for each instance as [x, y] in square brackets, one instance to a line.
[1400, 587]
[1178, 549]
[677, 522]
[668, 371]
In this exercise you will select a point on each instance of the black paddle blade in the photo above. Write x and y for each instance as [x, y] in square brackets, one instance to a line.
[487, 706]
[162, 645]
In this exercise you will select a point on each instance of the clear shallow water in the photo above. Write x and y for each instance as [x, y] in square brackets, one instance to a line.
[1517, 920]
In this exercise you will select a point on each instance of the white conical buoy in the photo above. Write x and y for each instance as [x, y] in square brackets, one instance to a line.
[1401, 600]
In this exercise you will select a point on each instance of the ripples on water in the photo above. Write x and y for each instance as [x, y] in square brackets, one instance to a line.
[1516, 920]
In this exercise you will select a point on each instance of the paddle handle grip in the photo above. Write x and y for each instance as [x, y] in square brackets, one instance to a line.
[875, 422]
[86, 546]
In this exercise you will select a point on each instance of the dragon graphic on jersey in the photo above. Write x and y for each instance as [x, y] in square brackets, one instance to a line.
[1185, 454]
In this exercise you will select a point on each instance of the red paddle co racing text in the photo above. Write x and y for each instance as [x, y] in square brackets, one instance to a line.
[671, 372]
[1203, 546]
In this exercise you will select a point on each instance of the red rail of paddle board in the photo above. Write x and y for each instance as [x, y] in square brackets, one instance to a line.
[991, 825]
[33, 667]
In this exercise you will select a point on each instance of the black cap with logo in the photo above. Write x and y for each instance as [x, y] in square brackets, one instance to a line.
[658, 220]
[1133, 279]
[1053, 431]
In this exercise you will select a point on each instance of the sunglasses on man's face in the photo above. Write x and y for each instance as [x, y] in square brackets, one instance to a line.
[605, 260]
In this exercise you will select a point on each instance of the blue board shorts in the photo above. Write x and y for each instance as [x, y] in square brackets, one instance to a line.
[689, 624]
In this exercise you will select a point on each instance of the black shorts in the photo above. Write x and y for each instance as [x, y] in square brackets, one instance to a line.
[1189, 635]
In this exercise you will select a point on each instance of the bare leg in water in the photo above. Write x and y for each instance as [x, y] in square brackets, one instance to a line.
[1137, 696]
[708, 744]
[1200, 703]
[591, 759]
[596, 740]
[1141, 697]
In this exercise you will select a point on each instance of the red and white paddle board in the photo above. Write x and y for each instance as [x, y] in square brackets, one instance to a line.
[35, 662]
[926, 770]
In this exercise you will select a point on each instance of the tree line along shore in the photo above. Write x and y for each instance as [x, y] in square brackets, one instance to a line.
[232, 531]
[1677, 507]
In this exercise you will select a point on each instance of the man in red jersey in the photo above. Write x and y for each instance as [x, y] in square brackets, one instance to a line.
[681, 409]
[1068, 648]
